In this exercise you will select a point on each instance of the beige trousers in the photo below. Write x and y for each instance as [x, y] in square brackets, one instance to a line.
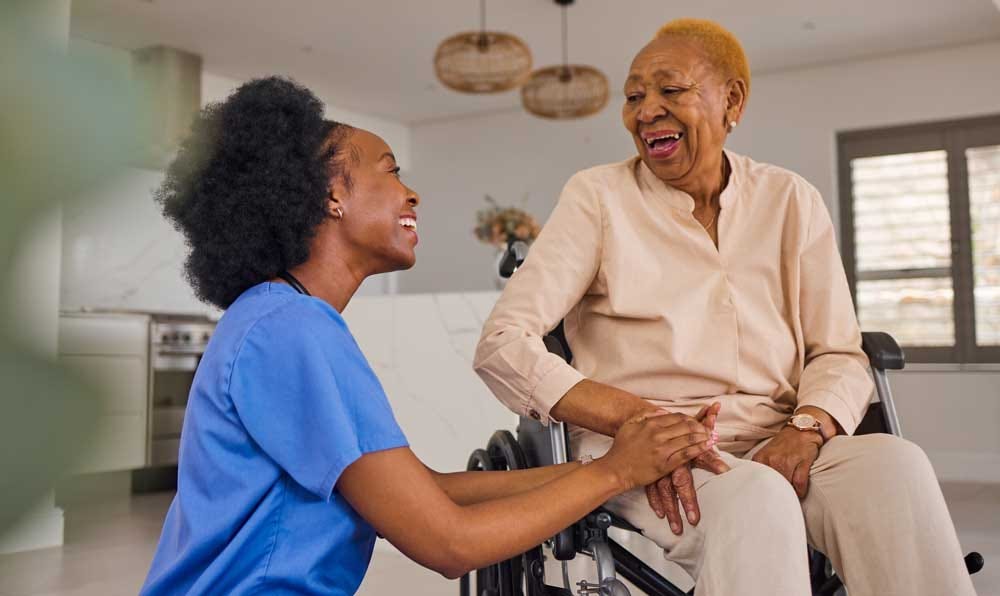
[874, 508]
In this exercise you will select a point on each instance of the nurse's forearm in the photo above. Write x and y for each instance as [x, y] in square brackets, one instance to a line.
[598, 407]
[498, 529]
[398, 495]
[467, 488]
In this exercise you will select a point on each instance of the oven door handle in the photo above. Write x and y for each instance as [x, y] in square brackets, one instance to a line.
[180, 362]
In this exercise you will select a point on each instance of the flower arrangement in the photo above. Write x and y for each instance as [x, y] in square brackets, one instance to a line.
[498, 225]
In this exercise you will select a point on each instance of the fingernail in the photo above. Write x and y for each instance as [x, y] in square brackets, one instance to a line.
[691, 518]
[715, 435]
[676, 528]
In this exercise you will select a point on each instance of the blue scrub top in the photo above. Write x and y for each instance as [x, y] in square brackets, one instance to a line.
[282, 402]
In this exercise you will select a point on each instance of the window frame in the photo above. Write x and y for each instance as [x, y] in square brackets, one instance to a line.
[954, 137]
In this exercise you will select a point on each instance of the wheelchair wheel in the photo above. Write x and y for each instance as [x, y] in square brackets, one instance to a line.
[824, 581]
[507, 577]
[505, 451]
[487, 578]
[488, 581]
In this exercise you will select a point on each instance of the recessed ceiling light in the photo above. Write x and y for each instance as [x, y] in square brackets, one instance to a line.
[809, 25]
[307, 49]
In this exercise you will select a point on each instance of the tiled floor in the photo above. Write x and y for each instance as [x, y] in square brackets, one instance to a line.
[108, 549]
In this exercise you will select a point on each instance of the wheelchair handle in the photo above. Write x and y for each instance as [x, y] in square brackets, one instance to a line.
[974, 562]
[513, 257]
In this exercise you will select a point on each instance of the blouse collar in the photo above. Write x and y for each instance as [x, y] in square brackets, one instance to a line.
[678, 199]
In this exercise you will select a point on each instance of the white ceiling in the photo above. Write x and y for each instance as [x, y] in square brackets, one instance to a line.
[375, 56]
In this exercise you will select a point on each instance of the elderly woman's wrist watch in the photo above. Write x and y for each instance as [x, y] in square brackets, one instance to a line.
[806, 423]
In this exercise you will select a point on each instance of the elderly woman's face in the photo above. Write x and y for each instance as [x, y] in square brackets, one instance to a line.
[675, 108]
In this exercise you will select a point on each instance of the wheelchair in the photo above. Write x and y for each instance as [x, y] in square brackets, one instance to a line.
[537, 445]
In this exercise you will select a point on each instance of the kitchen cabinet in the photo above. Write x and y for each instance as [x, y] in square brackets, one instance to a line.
[111, 353]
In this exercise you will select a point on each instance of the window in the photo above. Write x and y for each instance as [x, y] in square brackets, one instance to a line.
[920, 228]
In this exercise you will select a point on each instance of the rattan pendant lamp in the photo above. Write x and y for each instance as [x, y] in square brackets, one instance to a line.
[568, 90]
[482, 61]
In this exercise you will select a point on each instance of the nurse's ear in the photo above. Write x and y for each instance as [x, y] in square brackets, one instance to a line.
[334, 208]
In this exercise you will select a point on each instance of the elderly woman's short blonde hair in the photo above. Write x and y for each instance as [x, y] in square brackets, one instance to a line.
[722, 47]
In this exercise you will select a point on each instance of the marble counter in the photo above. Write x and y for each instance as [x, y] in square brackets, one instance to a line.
[421, 347]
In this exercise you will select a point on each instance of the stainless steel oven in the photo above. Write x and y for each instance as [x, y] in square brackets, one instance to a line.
[176, 347]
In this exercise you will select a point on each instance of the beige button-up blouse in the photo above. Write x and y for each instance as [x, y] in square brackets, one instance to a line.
[763, 324]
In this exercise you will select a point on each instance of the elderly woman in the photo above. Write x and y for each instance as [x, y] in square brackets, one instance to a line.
[290, 457]
[690, 275]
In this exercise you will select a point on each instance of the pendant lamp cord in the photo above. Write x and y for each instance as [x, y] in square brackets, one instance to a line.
[565, 38]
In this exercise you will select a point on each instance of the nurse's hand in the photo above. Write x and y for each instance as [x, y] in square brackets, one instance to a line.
[654, 444]
[664, 494]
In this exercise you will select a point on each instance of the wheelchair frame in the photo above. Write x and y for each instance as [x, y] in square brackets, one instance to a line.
[525, 575]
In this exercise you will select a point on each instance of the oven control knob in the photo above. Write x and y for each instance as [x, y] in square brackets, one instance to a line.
[205, 336]
[186, 337]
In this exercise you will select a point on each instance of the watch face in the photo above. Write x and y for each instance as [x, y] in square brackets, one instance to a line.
[803, 421]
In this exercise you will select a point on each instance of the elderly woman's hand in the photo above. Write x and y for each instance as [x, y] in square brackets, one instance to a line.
[664, 494]
[792, 453]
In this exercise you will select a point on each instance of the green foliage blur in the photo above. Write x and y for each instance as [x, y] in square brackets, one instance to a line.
[65, 125]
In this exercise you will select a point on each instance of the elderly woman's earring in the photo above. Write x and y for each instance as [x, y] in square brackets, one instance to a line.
[340, 213]
[732, 124]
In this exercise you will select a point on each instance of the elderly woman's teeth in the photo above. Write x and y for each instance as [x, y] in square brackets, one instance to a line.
[652, 141]
[408, 223]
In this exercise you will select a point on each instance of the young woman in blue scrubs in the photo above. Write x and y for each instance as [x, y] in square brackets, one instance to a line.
[290, 458]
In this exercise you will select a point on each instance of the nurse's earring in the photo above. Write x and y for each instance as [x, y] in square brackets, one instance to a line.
[337, 213]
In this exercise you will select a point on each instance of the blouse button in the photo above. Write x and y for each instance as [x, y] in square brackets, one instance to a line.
[534, 414]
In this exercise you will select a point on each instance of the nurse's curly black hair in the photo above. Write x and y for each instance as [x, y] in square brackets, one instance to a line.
[250, 184]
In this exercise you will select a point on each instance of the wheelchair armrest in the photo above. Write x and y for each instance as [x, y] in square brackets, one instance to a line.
[882, 350]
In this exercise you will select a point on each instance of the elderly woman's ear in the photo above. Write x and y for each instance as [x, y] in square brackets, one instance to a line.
[736, 98]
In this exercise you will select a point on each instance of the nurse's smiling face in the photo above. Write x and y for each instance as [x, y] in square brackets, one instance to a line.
[377, 221]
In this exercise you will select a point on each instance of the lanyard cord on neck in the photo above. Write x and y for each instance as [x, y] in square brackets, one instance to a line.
[296, 284]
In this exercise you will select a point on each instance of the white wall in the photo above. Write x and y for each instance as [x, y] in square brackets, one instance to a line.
[117, 250]
[792, 121]
[793, 117]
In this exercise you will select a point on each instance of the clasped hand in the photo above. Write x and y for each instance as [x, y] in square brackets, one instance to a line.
[791, 453]
[664, 494]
